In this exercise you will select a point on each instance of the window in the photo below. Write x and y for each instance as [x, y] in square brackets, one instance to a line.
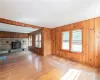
[72, 40]
[76, 41]
[38, 40]
[30, 40]
[65, 40]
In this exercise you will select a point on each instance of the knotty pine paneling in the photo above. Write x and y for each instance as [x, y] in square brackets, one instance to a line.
[91, 42]
[53, 41]
[97, 42]
[45, 43]
[12, 35]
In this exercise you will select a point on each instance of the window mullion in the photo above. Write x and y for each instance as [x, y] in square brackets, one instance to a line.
[70, 40]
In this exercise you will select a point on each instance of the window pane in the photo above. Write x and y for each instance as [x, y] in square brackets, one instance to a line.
[77, 40]
[30, 40]
[65, 41]
[36, 44]
[36, 37]
[38, 40]
[30, 43]
[65, 45]
[39, 37]
[39, 45]
[65, 36]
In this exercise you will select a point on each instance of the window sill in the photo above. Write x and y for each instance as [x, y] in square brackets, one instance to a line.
[71, 51]
[37, 47]
[29, 46]
[65, 50]
[76, 52]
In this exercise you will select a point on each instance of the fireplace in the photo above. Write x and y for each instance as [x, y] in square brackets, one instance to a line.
[16, 45]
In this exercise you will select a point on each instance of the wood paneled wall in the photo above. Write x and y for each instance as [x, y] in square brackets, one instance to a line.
[12, 35]
[45, 43]
[91, 42]
[97, 40]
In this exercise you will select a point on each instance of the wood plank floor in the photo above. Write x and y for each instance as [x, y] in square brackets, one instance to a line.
[29, 66]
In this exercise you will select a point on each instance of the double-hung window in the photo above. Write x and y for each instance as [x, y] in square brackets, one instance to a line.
[65, 40]
[38, 40]
[30, 40]
[76, 41]
[72, 40]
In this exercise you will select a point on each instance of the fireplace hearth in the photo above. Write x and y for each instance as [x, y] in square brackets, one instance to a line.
[16, 45]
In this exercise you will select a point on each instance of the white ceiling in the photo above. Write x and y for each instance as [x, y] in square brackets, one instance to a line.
[49, 13]
[12, 28]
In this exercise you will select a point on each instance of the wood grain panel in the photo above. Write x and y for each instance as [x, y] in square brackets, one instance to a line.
[53, 41]
[13, 35]
[91, 41]
[46, 41]
[97, 42]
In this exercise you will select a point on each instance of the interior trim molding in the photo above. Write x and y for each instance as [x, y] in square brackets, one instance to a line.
[11, 22]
